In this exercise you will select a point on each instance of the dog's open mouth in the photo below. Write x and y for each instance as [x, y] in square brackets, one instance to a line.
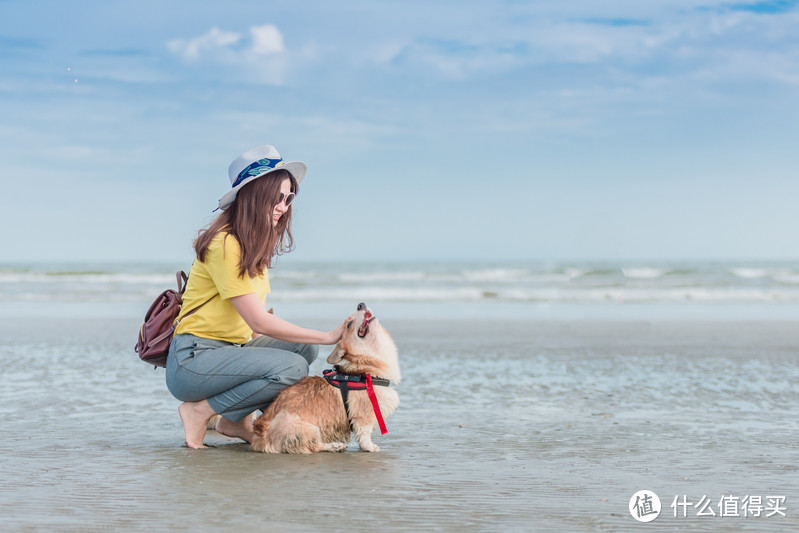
[364, 329]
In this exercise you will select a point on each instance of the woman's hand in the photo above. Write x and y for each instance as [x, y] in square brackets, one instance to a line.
[335, 335]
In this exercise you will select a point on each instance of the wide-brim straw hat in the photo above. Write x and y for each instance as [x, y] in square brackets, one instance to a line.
[255, 163]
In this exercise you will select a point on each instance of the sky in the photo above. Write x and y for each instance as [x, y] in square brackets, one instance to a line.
[450, 130]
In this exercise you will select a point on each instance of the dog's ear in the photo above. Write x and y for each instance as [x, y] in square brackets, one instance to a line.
[336, 355]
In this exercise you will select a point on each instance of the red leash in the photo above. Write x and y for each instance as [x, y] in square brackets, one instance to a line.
[373, 397]
[345, 382]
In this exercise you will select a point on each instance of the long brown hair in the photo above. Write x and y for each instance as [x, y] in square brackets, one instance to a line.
[249, 220]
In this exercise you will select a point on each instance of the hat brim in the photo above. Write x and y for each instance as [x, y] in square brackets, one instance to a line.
[296, 168]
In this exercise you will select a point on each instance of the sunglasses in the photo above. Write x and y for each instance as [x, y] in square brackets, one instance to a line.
[288, 199]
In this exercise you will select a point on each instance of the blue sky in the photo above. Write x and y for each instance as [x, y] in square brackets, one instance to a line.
[448, 131]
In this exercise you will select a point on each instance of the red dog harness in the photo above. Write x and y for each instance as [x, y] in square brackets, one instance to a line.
[347, 382]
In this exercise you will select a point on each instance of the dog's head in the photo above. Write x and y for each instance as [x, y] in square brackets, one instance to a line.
[366, 347]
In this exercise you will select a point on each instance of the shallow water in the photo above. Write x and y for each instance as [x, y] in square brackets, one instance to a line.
[504, 425]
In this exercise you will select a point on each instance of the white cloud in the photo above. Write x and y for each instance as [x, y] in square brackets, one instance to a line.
[258, 56]
[230, 46]
[677, 42]
[215, 39]
[266, 39]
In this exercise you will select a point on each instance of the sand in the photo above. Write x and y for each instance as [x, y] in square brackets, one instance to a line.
[504, 425]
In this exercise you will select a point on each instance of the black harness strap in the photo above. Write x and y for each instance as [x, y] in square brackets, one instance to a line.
[345, 382]
[352, 381]
[345, 394]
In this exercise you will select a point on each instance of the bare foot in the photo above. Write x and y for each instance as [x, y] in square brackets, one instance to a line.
[243, 429]
[195, 416]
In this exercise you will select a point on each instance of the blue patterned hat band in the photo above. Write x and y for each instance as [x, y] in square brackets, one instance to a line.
[255, 169]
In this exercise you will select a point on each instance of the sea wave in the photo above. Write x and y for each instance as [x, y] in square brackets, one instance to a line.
[751, 273]
[372, 277]
[86, 278]
[645, 273]
[599, 282]
[787, 278]
[552, 295]
[462, 294]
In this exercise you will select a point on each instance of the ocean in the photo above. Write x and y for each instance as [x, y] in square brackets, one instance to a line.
[535, 396]
[561, 290]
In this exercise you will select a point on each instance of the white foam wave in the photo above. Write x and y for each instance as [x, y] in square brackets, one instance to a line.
[596, 295]
[378, 293]
[750, 273]
[371, 277]
[644, 272]
[549, 295]
[574, 273]
[104, 296]
[787, 278]
[439, 282]
[88, 279]
[294, 274]
[496, 274]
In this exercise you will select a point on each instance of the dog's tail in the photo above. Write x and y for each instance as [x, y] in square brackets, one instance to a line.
[212, 422]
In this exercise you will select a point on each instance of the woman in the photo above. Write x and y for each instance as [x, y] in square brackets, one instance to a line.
[229, 355]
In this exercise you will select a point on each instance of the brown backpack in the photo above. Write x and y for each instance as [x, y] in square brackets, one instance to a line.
[160, 322]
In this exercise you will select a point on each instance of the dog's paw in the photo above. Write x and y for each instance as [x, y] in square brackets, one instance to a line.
[331, 447]
[371, 447]
[338, 447]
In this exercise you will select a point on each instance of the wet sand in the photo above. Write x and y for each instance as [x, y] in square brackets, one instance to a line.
[507, 425]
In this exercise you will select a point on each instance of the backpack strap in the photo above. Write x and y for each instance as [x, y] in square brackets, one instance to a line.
[183, 280]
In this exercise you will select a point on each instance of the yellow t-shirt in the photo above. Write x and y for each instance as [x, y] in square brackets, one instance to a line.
[215, 281]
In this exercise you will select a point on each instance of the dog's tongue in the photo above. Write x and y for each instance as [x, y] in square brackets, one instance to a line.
[367, 319]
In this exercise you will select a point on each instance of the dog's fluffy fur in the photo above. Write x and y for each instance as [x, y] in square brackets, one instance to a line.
[309, 416]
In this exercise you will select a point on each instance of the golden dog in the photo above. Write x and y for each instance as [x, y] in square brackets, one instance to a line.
[310, 417]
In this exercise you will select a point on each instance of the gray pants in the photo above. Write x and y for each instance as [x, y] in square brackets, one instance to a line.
[236, 380]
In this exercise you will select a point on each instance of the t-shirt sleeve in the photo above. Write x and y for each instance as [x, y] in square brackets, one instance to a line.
[223, 265]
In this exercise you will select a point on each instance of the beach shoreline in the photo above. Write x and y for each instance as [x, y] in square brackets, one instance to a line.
[504, 424]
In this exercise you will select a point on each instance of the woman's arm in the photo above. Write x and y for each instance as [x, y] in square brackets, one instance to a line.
[255, 315]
